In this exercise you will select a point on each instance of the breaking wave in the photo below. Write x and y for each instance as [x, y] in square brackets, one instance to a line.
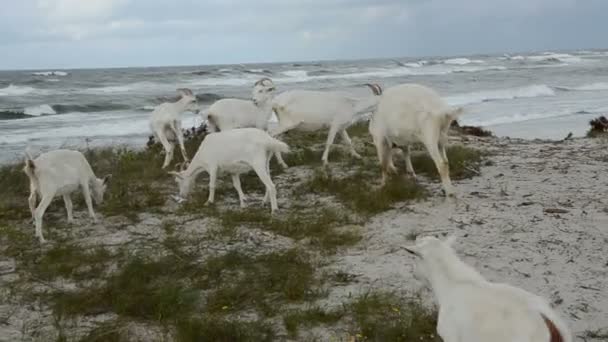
[501, 94]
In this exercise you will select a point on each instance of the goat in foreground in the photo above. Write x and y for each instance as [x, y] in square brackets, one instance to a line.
[472, 309]
[235, 151]
[166, 123]
[226, 114]
[409, 113]
[59, 173]
[308, 110]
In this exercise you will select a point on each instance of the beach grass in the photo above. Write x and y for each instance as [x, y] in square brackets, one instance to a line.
[207, 285]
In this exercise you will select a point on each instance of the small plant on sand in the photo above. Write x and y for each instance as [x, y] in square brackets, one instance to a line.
[599, 127]
[470, 130]
[319, 226]
[465, 162]
[356, 192]
[310, 317]
[387, 317]
[218, 328]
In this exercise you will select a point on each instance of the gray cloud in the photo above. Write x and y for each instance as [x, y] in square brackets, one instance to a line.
[76, 33]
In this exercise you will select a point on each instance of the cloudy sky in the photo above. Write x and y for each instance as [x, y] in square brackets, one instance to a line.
[111, 33]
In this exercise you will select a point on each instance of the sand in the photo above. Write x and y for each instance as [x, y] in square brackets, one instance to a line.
[505, 219]
[504, 231]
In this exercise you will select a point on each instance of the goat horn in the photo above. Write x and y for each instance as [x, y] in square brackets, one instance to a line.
[185, 91]
[375, 88]
[261, 81]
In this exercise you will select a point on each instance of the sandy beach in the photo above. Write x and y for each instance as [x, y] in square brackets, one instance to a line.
[535, 216]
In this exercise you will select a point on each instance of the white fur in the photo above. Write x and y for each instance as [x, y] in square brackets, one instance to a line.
[308, 110]
[410, 113]
[59, 173]
[226, 114]
[234, 151]
[166, 123]
[472, 309]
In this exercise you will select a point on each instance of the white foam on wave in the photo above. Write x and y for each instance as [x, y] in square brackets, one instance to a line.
[44, 109]
[589, 87]
[518, 117]
[554, 57]
[13, 90]
[125, 88]
[295, 73]
[536, 90]
[462, 61]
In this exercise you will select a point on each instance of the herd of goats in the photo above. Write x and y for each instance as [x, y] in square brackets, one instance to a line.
[471, 309]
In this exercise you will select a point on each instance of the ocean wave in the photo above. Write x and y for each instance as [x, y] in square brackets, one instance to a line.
[518, 117]
[43, 109]
[87, 108]
[295, 73]
[50, 73]
[10, 115]
[259, 71]
[201, 72]
[549, 57]
[462, 61]
[201, 98]
[587, 87]
[13, 90]
[501, 94]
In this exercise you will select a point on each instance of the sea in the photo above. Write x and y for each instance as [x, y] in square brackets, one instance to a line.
[542, 95]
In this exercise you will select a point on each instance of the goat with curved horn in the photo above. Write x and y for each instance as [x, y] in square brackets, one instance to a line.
[376, 89]
[262, 80]
[185, 92]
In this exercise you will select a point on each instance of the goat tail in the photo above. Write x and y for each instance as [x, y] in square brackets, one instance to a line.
[211, 122]
[275, 145]
[29, 167]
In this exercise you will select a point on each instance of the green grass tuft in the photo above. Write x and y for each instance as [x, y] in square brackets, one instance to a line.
[465, 162]
[356, 192]
[386, 317]
[310, 317]
[217, 329]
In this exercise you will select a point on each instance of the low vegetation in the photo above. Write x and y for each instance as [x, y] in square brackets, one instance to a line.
[599, 127]
[470, 130]
[204, 285]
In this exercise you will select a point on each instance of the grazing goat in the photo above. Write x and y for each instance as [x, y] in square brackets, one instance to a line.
[472, 309]
[409, 113]
[308, 110]
[226, 114]
[59, 173]
[166, 123]
[234, 151]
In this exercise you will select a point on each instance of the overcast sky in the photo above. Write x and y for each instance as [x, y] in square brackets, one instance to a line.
[109, 33]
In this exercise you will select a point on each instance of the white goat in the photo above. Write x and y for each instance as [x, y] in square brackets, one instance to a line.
[410, 113]
[308, 110]
[166, 123]
[235, 151]
[59, 173]
[472, 309]
[226, 114]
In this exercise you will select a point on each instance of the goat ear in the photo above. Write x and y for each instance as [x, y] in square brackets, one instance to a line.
[107, 178]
